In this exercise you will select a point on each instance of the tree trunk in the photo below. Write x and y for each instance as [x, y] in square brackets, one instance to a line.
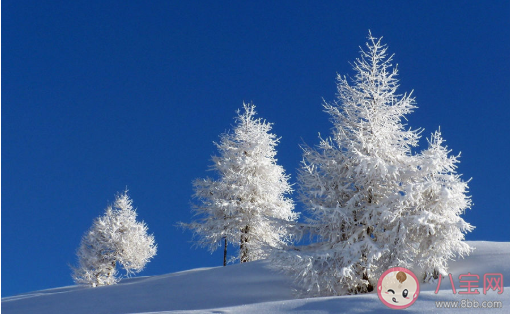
[225, 253]
[370, 288]
[111, 270]
[244, 248]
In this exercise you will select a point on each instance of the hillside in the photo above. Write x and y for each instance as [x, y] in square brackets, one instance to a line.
[251, 288]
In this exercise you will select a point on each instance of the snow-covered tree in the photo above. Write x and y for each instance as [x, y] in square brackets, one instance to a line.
[247, 204]
[115, 238]
[434, 229]
[361, 185]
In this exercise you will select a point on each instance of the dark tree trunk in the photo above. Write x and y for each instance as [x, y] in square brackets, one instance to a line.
[370, 288]
[225, 253]
[244, 248]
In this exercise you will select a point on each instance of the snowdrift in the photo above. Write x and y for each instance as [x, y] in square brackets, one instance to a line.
[254, 288]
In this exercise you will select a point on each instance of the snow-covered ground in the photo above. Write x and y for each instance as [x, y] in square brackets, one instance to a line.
[254, 288]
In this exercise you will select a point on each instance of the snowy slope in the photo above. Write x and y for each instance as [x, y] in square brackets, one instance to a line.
[251, 288]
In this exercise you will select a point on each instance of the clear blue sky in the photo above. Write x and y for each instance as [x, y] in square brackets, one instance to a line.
[100, 95]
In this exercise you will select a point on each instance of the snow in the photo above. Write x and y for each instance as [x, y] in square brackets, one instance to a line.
[254, 288]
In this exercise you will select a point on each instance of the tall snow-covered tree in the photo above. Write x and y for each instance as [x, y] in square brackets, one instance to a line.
[115, 239]
[247, 204]
[361, 185]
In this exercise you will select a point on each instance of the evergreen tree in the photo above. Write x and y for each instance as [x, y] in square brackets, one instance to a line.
[360, 188]
[246, 205]
[433, 226]
[115, 239]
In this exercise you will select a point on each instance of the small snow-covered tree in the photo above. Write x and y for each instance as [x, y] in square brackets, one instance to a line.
[434, 230]
[361, 189]
[115, 238]
[247, 204]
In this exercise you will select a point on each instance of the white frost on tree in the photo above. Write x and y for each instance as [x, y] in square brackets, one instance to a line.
[435, 203]
[374, 204]
[115, 239]
[247, 204]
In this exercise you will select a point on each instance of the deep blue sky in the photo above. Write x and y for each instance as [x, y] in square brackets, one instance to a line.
[100, 95]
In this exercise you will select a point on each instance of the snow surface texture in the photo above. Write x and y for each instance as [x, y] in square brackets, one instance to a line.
[254, 288]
